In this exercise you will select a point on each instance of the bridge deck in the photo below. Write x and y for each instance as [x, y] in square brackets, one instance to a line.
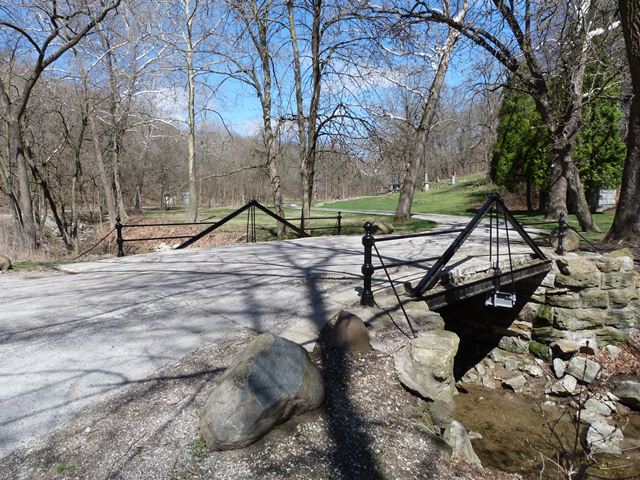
[447, 294]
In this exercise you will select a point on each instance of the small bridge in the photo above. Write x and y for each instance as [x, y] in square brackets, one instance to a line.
[457, 275]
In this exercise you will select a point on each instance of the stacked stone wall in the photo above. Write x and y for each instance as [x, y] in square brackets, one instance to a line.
[592, 300]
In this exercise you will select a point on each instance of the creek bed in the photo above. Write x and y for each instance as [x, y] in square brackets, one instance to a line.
[515, 437]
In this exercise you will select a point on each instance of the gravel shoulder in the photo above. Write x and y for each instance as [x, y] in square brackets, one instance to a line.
[369, 427]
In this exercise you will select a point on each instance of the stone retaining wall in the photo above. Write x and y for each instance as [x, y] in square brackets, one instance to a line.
[592, 300]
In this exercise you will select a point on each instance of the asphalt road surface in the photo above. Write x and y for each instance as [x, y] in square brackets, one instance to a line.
[70, 338]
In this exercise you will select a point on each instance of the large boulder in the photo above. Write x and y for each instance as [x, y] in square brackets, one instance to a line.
[383, 228]
[349, 333]
[627, 389]
[425, 365]
[272, 380]
[5, 263]
[570, 239]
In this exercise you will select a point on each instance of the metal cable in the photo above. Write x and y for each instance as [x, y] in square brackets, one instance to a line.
[98, 243]
[413, 332]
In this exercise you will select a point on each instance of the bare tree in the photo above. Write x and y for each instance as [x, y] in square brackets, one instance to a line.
[403, 209]
[329, 38]
[252, 38]
[48, 29]
[626, 224]
[546, 46]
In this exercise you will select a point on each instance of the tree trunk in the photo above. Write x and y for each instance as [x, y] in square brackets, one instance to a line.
[26, 207]
[403, 209]
[626, 223]
[115, 166]
[193, 190]
[107, 185]
[566, 184]
[269, 136]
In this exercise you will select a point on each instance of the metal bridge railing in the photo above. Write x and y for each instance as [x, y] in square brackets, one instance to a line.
[430, 279]
[250, 208]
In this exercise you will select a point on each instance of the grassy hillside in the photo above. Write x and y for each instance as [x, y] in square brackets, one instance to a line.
[458, 199]
[462, 199]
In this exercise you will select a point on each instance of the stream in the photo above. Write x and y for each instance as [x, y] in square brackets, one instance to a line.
[516, 438]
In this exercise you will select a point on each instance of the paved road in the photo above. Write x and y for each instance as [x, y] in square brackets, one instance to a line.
[67, 339]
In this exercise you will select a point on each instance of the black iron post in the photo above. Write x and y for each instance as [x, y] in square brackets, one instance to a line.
[561, 226]
[339, 222]
[366, 299]
[119, 240]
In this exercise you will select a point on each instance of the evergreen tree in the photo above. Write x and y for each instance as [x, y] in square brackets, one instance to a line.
[521, 155]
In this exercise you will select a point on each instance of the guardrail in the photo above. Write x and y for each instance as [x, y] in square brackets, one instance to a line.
[250, 208]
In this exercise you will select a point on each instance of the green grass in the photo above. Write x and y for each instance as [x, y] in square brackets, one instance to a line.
[459, 199]
[36, 265]
[602, 220]
[463, 199]
[65, 468]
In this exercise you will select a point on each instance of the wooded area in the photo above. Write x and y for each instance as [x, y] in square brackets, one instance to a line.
[111, 106]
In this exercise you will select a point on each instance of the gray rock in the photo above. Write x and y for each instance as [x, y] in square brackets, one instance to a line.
[583, 369]
[622, 318]
[594, 298]
[498, 356]
[349, 333]
[593, 409]
[564, 300]
[627, 389]
[609, 335]
[609, 264]
[383, 228]
[570, 239]
[604, 438]
[577, 272]
[455, 435]
[620, 298]
[618, 280]
[441, 413]
[5, 263]
[532, 370]
[418, 312]
[558, 367]
[565, 348]
[578, 319]
[272, 380]
[511, 365]
[515, 383]
[613, 351]
[563, 387]
[470, 377]
[514, 345]
[487, 382]
[425, 365]
[549, 280]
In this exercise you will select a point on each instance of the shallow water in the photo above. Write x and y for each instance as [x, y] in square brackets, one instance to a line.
[516, 438]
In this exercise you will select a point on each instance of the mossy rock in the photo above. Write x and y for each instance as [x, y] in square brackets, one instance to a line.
[540, 350]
